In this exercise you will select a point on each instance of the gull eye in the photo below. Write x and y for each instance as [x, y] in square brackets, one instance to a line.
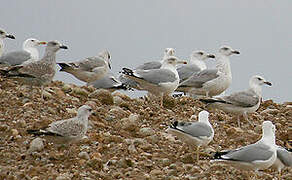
[200, 53]
[1, 32]
[108, 56]
[54, 43]
[225, 48]
[260, 79]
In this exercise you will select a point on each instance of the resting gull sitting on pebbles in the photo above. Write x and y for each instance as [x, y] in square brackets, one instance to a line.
[258, 156]
[158, 82]
[69, 130]
[242, 102]
[211, 82]
[284, 158]
[27, 55]
[89, 69]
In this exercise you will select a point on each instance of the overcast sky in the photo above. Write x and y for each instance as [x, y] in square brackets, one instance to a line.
[136, 31]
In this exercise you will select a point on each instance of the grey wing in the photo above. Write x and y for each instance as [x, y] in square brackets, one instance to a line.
[106, 82]
[156, 76]
[195, 129]
[15, 58]
[89, 63]
[243, 99]
[197, 80]
[284, 156]
[187, 71]
[250, 153]
[150, 65]
[66, 128]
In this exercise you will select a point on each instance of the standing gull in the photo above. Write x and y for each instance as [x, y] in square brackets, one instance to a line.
[4, 35]
[198, 133]
[284, 158]
[196, 64]
[109, 82]
[242, 102]
[158, 82]
[69, 130]
[89, 69]
[258, 156]
[211, 82]
[146, 66]
[40, 72]
[27, 55]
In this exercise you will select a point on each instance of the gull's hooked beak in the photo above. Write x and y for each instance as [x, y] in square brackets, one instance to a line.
[268, 83]
[42, 42]
[235, 52]
[211, 56]
[10, 36]
[63, 47]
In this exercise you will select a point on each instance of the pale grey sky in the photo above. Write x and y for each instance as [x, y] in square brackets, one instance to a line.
[138, 31]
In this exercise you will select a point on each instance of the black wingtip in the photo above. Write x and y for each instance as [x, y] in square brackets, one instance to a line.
[209, 101]
[63, 66]
[174, 124]
[41, 132]
[127, 71]
[218, 155]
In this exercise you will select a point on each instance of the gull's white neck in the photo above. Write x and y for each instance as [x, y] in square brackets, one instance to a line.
[256, 88]
[166, 65]
[199, 63]
[32, 50]
[1, 47]
[268, 137]
[223, 64]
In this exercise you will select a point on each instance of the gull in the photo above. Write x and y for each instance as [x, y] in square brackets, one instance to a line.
[40, 72]
[242, 102]
[196, 64]
[109, 82]
[198, 133]
[211, 82]
[4, 35]
[146, 66]
[258, 156]
[27, 55]
[89, 69]
[158, 82]
[284, 158]
[68, 130]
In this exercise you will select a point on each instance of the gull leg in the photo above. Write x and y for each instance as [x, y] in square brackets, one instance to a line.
[246, 118]
[279, 174]
[161, 101]
[238, 121]
[207, 94]
[42, 92]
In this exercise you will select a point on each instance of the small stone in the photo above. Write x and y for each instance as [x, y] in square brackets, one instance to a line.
[80, 91]
[155, 172]
[4, 127]
[63, 177]
[67, 88]
[118, 100]
[146, 131]
[47, 95]
[83, 155]
[270, 111]
[36, 145]
[104, 96]
[14, 132]
[132, 149]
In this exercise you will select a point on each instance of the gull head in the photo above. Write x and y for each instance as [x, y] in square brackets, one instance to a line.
[32, 42]
[227, 51]
[54, 46]
[105, 54]
[259, 81]
[169, 52]
[201, 55]
[172, 60]
[84, 111]
[204, 116]
[4, 35]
